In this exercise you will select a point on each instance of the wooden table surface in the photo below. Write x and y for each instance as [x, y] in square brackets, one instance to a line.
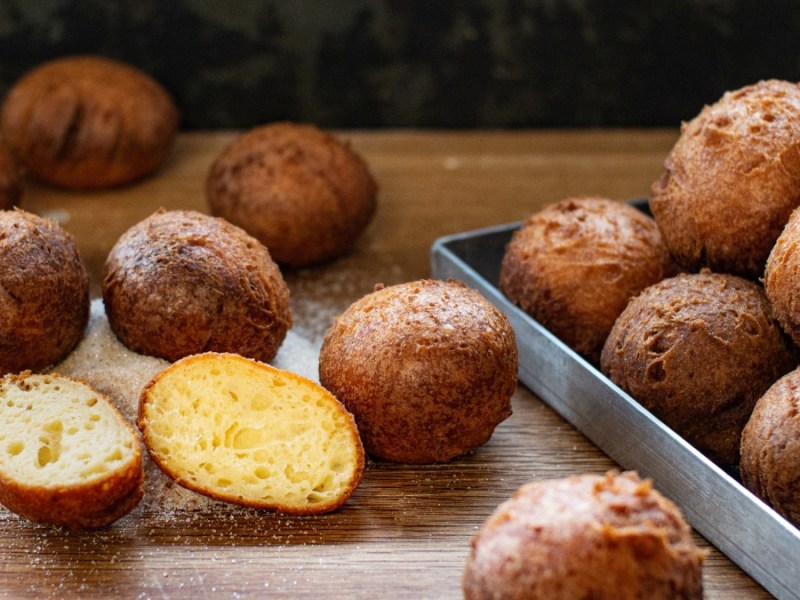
[405, 533]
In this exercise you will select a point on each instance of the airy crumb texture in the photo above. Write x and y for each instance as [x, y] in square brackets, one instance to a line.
[11, 179]
[244, 432]
[181, 282]
[731, 180]
[88, 122]
[609, 537]
[770, 465]
[427, 367]
[67, 456]
[782, 277]
[303, 193]
[574, 265]
[698, 351]
[44, 292]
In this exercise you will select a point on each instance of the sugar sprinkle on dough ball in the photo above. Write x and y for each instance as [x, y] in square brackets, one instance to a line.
[67, 455]
[698, 350]
[88, 122]
[244, 432]
[731, 180]
[306, 195]
[575, 264]
[609, 537]
[181, 282]
[427, 367]
[770, 464]
[44, 292]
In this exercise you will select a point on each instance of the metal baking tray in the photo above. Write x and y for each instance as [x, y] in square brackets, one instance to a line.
[754, 536]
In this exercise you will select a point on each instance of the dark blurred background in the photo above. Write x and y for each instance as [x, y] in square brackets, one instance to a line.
[421, 63]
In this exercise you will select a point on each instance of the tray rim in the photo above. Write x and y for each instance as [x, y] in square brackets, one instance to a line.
[765, 553]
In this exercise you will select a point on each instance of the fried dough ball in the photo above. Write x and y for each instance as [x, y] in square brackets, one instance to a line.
[44, 292]
[427, 368]
[731, 180]
[88, 122]
[574, 265]
[303, 193]
[698, 351]
[609, 537]
[180, 283]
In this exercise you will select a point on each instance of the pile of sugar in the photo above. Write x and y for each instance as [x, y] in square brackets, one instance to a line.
[103, 361]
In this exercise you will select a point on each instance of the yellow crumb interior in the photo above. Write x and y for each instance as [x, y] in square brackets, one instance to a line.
[247, 432]
[56, 431]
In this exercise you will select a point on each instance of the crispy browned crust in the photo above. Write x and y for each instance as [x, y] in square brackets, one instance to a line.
[303, 193]
[89, 122]
[44, 292]
[731, 180]
[90, 505]
[611, 537]
[428, 369]
[698, 351]
[163, 462]
[782, 277]
[11, 179]
[180, 283]
[770, 464]
[574, 265]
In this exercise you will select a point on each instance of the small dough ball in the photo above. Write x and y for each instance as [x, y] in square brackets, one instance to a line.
[427, 368]
[574, 265]
[44, 292]
[87, 122]
[303, 193]
[731, 180]
[698, 351]
[609, 537]
[770, 465]
[11, 180]
[782, 277]
[180, 283]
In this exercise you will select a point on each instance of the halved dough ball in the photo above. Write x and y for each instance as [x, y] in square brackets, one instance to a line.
[244, 432]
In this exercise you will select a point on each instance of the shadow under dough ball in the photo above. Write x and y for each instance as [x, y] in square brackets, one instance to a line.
[303, 193]
[731, 180]
[44, 292]
[181, 282]
[698, 351]
[427, 368]
[88, 122]
[609, 537]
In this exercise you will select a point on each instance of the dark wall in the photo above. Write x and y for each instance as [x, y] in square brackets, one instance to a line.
[421, 63]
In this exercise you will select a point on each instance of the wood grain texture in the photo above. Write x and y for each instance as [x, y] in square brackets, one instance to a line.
[406, 531]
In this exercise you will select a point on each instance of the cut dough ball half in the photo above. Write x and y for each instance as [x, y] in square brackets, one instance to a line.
[245, 432]
[67, 455]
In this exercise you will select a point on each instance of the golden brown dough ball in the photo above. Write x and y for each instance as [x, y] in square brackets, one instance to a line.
[770, 465]
[44, 292]
[303, 193]
[11, 180]
[88, 122]
[732, 179]
[180, 283]
[698, 351]
[574, 265]
[427, 368]
[782, 277]
[609, 537]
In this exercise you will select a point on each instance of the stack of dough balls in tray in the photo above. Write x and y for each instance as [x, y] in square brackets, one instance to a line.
[694, 311]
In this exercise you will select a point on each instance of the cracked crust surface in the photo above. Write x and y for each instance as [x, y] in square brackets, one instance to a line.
[181, 282]
[731, 180]
[303, 193]
[86, 122]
